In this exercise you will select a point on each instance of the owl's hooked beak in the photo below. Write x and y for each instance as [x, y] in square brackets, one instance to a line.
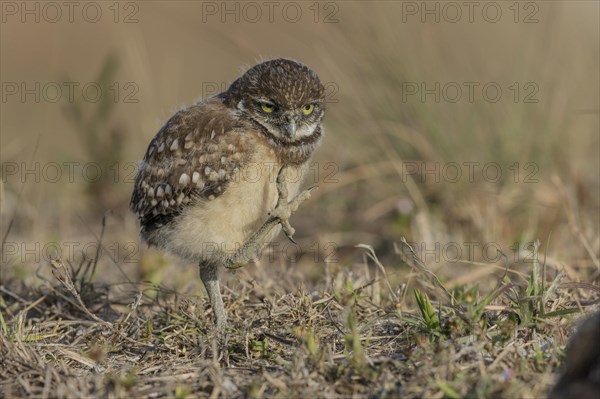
[291, 126]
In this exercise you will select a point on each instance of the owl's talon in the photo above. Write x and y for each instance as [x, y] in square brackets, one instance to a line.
[292, 239]
[288, 230]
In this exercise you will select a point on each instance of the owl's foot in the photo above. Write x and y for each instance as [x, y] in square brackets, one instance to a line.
[284, 209]
[280, 215]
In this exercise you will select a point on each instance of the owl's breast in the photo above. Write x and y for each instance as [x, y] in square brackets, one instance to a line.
[214, 228]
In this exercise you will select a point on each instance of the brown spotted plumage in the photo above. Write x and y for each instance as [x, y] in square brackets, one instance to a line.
[208, 180]
[193, 157]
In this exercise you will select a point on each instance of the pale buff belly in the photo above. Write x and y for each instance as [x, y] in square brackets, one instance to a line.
[211, 230]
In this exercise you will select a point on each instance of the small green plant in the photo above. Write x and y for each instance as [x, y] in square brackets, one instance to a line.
[310, 341]
[431, 321]
[261, 347]
[182, 392]
[2, 321]
[528, 301]
[354, 348]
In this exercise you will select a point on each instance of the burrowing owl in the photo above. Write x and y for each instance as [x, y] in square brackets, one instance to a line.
[214, 172]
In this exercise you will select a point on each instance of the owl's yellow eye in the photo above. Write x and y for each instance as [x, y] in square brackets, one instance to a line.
[308, 109]
[267, 107]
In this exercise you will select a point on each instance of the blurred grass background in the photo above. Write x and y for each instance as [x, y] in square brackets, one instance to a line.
[170, 58]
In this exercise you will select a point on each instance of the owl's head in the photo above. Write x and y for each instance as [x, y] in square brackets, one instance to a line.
[284, 96]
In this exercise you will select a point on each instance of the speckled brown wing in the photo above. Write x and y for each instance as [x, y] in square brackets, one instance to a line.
[193, 156]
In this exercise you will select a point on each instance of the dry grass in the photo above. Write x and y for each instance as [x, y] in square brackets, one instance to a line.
[357, 336]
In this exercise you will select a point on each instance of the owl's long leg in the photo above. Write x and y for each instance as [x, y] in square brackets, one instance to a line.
[280, 214]
[210, 278]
